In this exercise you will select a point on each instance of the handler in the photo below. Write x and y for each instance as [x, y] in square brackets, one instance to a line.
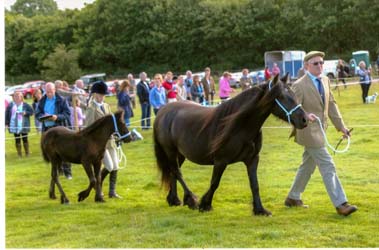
[96, 109]
[313, 92]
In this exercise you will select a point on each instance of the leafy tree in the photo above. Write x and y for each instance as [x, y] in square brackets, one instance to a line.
[31, 8]
[62, 64]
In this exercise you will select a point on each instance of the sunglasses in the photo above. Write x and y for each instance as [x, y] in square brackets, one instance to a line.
[317, 63]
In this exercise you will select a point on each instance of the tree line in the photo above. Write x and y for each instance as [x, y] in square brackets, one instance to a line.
[122, 36]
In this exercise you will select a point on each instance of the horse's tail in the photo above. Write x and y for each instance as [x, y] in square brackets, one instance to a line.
[162, 160]
[43, 148]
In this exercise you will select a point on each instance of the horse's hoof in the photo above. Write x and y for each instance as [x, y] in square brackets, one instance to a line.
[173, 201]
[64, 200]
[205, 208]
[191, 201]
[263, 212]
[53, 197]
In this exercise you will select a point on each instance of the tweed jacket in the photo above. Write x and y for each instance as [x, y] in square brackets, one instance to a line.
[93, 113]
[310, 99]
[208, 89]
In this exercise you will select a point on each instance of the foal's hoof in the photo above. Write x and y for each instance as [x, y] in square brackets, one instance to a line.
[52, 196]
[263, 212]
[82, 196]
[99, 199]
[191, 201]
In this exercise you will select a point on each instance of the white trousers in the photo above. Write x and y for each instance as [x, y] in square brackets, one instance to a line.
[110, 159]
[326, 166]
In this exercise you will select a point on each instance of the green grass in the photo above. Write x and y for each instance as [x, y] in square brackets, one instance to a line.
[142, 219]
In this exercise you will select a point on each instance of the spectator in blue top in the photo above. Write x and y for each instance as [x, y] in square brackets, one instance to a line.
[188, 81]
[197, 90]
[157, 94]
[364, 79]
[124, 101]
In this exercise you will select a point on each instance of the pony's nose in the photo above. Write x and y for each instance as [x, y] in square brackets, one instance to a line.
[305, 121]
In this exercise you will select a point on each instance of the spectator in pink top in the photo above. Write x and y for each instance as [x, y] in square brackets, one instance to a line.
[79, 113]
[225, 88]
[275, 70]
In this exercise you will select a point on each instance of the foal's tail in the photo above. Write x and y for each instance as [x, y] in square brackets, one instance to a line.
[43, 148]
[162, 161]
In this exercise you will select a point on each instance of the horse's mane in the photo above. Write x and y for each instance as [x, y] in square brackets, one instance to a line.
[250, 104]
[94, 126]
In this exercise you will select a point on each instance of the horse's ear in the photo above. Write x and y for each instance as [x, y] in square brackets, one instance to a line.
[284, 79]
[275, 80]
[120, 115]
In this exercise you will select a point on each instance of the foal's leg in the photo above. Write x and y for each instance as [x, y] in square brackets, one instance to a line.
[99, 197]
[84, 194]
[252, 167]
[206, 200]
[55, 178]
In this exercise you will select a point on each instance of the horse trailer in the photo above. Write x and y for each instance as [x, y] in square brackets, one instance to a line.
[287, 60]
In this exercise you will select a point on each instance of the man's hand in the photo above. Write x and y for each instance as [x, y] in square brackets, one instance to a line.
[346, 132]
[311, 117]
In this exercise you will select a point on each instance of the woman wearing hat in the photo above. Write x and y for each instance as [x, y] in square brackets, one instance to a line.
[97, 108]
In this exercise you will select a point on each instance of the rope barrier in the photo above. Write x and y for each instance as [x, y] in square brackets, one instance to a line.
[215, 101]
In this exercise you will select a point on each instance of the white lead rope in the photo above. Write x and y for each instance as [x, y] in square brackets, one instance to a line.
[121, 157]
[327, 142]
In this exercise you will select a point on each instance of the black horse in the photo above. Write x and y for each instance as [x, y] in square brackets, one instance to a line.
[86, 147]
[220, 136]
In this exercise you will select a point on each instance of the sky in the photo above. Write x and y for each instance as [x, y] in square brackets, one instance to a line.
[62, 4]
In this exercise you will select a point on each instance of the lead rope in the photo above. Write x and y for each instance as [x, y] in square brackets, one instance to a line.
[120, 153]
[327, 142]
[121, 157]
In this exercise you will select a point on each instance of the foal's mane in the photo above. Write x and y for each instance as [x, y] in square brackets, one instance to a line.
[94, 126]
[250, 104]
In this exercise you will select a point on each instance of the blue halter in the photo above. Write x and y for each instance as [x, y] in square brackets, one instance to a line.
[288, 113]
[120, 137]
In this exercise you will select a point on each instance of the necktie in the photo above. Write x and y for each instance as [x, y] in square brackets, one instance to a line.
[320, 89]
[102, 108]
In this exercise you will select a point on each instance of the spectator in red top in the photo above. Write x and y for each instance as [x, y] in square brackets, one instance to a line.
[170, 87]
[267, 73]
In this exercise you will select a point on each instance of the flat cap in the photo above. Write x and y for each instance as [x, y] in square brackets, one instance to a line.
[312, 54]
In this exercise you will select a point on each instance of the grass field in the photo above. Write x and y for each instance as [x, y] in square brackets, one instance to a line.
[142, 219]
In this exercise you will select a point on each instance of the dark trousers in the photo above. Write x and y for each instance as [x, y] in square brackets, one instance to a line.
[23, 136]
[146, 110]
[365, 88]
